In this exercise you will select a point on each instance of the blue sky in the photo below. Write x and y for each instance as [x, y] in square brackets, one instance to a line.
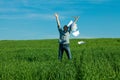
[34, 19]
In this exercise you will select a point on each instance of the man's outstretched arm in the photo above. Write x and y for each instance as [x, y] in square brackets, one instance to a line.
[57, 19]
[76, 19]
[74, 23]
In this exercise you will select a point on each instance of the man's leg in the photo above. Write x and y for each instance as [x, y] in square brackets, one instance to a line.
[60, 52]
[68, 52]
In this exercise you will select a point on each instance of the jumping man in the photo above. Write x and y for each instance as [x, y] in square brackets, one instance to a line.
[64, 39]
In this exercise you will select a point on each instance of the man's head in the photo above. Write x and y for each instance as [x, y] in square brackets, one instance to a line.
[65, 28]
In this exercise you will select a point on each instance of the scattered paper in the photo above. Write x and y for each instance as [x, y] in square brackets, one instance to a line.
[70, 23]
[74, 28]
[81, 42]
[76, 33]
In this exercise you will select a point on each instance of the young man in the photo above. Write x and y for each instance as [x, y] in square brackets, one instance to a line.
[64, 39]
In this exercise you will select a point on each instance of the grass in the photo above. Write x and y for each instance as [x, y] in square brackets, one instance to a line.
[97, 59]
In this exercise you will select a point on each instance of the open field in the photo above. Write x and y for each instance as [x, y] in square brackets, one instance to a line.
[97, 59]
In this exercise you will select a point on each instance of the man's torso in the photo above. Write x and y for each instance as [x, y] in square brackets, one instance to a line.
[64, 37]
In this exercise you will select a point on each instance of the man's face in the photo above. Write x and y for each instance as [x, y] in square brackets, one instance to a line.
[65, 28]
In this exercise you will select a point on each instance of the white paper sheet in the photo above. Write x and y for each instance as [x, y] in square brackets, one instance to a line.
[81, 42]
[74, 28]
[70, 23]
[76, 33]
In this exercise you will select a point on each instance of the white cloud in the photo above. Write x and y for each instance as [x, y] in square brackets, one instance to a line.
[97, 1]
[24, 8]
[42, 16]
[25, 2]
[8, 10]
[80, 1]
[28, 16]
[3, 28]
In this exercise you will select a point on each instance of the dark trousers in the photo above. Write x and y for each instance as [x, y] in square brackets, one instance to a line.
[66, 48]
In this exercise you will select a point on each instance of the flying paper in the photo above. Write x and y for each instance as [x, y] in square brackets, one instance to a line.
[70, 23]
[74, 28]
[76, 33]
[81, 42]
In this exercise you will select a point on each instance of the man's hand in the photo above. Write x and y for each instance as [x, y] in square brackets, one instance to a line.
[57, 19]
[76, 18]
[56, 15]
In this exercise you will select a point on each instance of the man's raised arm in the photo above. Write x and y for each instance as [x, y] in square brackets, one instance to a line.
[57, 19]
[76, 19]
[74, 23]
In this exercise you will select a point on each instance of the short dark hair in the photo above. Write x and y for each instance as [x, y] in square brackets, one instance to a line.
[65, 26]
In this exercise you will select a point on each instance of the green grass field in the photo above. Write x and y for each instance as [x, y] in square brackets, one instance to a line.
[97, 59]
